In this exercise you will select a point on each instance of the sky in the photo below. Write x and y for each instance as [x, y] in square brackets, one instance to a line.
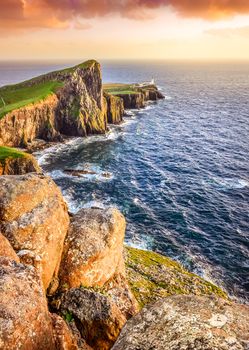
[124, 29]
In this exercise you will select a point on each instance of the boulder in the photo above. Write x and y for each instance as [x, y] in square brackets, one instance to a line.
[25, 322]
[6, 250]
[98, 319]
[34, 218]
[187, 322]
[93, 248]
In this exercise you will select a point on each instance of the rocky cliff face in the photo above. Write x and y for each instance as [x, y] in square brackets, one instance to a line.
[138, 98]
[77, 109]
[81, 108]
[19, 166]
[37, 120]
[115, 108]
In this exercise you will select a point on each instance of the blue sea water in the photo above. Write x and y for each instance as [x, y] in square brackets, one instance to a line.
[178, 169]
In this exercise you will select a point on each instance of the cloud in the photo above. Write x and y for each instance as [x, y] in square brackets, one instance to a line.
[24, 14]
[229, 32]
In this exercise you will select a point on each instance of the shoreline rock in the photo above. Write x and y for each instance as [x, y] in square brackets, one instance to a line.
[187, 322]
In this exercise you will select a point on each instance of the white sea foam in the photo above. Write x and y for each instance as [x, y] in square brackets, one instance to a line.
[230, 183]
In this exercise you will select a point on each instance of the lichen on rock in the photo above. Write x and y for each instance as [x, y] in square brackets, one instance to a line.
[186, 322]
[34, 218]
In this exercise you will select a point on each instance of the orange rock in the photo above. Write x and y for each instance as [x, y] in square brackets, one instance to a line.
[63, 337]
[6, 250]
[99, 320]
[93, 248]
[187, 322]
[35, 220]
[25, 322]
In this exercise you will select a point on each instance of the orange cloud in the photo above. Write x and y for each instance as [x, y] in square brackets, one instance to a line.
[24, 14]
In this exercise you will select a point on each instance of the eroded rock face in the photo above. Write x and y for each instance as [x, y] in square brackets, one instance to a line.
[93, 248]
[19, 166]
[133, 100]
[81, 110]
[115, 108]
[34, 218]
[25, 322]
[187, 322]
[98, 319]
[23, 125]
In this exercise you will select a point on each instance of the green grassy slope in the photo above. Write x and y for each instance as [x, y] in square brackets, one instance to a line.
[16, 96]
[116, 89]
[153, 276]
[8, 152]
[19, 95]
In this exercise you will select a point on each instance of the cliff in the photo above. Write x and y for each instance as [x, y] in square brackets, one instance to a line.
[14, 162]
[66, 102]
[134, 96]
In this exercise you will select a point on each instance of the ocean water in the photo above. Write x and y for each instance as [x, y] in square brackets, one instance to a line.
[178, 169]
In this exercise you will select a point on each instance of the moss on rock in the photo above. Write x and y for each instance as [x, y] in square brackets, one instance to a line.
[153, 276]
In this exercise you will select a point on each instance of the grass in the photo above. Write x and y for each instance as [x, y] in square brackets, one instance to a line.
[19, 95]
[16, 96]
[119, 89]
[8, 152]
[153, 276]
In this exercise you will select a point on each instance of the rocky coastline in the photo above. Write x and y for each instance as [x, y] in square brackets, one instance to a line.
[68, 282]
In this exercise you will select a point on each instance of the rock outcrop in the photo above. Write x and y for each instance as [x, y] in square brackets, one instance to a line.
[25, 322]
[153, 276]
[93, 285]
[138, 98]
[93, 248]
[98, 319]
[34, 218]
[186, 323]
[115, 108]
[19, 166]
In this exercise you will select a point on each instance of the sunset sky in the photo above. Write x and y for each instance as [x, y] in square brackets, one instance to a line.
[124, 29]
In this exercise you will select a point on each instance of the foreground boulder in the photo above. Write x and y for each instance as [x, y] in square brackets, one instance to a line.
[93, 248]
[25, 321]
[34, 218]
[98, 319]
[186, 323]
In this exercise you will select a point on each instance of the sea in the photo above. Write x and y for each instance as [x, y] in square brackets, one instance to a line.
[177, 169]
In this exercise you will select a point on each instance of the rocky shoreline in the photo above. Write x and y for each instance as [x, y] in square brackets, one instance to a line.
[67, 282]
